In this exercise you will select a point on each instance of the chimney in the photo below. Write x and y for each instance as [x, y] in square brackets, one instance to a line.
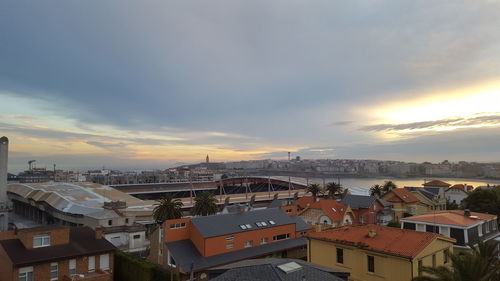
[98, 233]
[467, 212]
[372, 233]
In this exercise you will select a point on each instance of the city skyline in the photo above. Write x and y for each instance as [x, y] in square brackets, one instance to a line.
[143, 85]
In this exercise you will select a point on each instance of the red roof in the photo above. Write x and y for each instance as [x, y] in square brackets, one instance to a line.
[463, 187]
[333, 209]
[305, 201]
[451, 217]
[389, 240]
[437, 183]
[402, 195]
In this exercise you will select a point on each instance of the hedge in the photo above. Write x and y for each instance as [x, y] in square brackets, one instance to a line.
[131, 268]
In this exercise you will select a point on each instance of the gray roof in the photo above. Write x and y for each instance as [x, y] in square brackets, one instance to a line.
[267, 269]
[358, 201]
[281, 202]
[385, 203]
[217, 225]
[185, 253]
[429, 193]
[300, 224]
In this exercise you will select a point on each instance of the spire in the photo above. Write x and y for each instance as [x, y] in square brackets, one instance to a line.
[207, 160]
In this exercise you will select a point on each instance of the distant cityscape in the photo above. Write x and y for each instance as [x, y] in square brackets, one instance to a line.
[209, 171]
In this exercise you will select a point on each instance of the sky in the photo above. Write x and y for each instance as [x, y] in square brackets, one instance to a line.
[151, 84]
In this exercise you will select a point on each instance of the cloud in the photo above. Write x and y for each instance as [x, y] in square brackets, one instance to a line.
[340, 123]
[443, 124]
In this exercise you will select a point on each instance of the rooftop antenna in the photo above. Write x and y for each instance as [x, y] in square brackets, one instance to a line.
[288, 155]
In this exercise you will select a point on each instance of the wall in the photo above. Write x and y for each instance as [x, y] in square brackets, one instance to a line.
[436, 248]
[58, 236]
[217, 245]
[387, 268]
[5, 266]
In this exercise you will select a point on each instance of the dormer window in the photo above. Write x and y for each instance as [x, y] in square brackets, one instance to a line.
[41, 240]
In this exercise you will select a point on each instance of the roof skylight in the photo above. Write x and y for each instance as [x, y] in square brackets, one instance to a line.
[290, 267]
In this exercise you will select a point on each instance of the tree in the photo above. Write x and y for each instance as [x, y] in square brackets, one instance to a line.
[480, 264]
[314, 189]
[483, 201]
[333, 189]
[205, 204]
[168, 208]
[388, 186]
[376, 190]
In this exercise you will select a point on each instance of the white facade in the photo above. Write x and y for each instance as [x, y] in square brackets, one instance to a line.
[455, 195]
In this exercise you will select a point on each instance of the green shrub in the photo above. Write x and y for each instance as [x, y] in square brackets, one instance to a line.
[394, 224]
[131, 268]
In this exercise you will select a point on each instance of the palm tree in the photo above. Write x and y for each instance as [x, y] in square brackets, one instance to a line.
[168, 208]
[388, 186]
[314, 189]
[480, 264]
[333, 189]
[205, 204]
[376, 190]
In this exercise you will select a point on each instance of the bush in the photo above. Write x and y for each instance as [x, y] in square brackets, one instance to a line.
[131, 268]
[394, 224]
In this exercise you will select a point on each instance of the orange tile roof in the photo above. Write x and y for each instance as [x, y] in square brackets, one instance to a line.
[451, 217]
[437, 183]
[463, 187]
[305, 201]
[402, 195]
[389, 240]
[333, 209]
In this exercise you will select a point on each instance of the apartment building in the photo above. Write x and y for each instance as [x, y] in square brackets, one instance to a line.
[378, 253]
[55, 253]
[193, 245]
[464, 226]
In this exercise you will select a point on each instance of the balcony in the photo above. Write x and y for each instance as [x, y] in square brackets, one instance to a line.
[99, 275]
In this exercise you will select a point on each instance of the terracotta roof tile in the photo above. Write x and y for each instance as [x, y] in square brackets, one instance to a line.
[389, 240]
[304, 201]
[451, 217]
[437, 183]
[403, 195]
[333, 209]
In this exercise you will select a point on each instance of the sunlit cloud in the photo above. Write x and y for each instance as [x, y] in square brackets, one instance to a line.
[469, 108]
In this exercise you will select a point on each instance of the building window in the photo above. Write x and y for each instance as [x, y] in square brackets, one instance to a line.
[362, 219]
[137, 236]
[340, 255]
[178, 225]
[229, 245]
[248, 244]
[126, 221]
[288, 210]
[104, 262]
[53, 271]
[110, 222]
[434, 260]
[371, 264]
[72, 267]
[91, 263]
[272, 222]
[420, 268]
[171, 260]
[281, 237]
[230, 238]
[42, 240]
[446, 254]
[263, 240]
[26, 273]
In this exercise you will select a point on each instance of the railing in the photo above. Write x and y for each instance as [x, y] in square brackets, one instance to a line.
[99, 275]
[5, 206]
